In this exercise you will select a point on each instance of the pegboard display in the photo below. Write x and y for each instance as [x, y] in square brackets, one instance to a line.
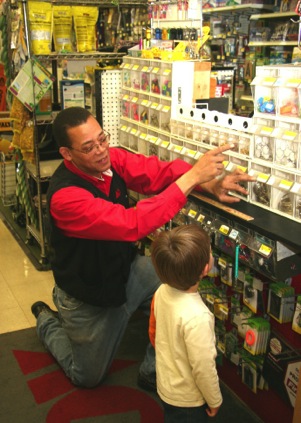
[108, 107]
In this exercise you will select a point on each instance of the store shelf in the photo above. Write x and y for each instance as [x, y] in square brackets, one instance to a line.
[89, 55]
[243, 8]
[34, 232]
[148, 94]
[181, 21]
[272, 43]
[47, 168]
[246, 98]
[273, 15]
[97, 3]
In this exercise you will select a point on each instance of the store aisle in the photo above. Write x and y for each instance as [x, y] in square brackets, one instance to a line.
[20, 285]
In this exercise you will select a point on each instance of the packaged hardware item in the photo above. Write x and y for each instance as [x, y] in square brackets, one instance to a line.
[40, 20]
[62, 29]
[85, 18]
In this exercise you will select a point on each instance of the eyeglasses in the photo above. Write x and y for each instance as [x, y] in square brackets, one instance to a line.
[104, 140]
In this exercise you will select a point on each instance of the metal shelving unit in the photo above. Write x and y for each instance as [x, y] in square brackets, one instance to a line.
[107, 82]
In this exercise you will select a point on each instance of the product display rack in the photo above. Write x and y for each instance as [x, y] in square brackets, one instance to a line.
[281, 17]
[277, 151]
[155, 116]
[254, 245]
[248, 35]
[266, 147]
[105, 106]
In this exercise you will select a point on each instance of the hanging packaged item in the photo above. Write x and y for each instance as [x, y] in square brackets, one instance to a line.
[281, 367]
[281, 302]
[62, 29]
[40, 24]
[85, 18]
[72, 93]
[31, 84]
[296, 325]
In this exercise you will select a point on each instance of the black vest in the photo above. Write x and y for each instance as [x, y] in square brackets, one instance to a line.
[92, 271]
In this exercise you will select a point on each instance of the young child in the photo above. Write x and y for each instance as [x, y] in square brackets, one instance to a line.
[182, 327]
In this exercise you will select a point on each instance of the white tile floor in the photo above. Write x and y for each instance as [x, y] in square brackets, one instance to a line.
[20, 285]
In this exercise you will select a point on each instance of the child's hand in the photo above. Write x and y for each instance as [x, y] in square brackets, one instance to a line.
[212, 411]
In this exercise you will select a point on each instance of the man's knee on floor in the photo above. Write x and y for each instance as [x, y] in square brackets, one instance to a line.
[88, 380]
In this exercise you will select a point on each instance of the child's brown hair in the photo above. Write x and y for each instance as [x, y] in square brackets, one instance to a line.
[180, 255]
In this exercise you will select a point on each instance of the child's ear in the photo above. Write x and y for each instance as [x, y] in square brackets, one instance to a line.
[205, 271]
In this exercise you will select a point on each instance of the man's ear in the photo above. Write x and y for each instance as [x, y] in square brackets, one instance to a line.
[65, 152]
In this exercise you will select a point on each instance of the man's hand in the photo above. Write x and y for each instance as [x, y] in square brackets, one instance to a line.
[210, 165]
[220, 187]
[207, 168]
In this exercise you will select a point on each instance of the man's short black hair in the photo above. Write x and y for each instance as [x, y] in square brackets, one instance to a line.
[68, 118]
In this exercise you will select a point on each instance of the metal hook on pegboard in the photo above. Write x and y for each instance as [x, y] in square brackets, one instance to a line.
[298, 11]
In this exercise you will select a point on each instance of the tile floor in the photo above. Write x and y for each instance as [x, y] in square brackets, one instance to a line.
[20, 285]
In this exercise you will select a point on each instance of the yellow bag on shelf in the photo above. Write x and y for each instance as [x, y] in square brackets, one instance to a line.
[40, 24]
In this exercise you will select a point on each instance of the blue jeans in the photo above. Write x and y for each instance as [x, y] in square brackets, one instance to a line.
[174, 414]
[85, 338]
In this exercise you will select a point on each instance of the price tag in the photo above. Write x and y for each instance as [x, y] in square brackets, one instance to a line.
[190, 153]
[134, 131]
[261, 177]
[225, 163]
[242, 168]
[152, 139]
[221, 262]
[223, 309]
[269, 80]
[265, 250]
[210, 299]
[192, 213]
[135, 67]
[145, 102]
[166, 109]
[165, 144]
[293, 82]
[233, 234]
[134, 99]
[155, 70]
[178, 148]
[224, 229]
[285, 184]
[125, 97]
[221, 347]
[166, 72]
[143, 136]
[289, 135]
[200, 218]
[266, 130]
[123, 128]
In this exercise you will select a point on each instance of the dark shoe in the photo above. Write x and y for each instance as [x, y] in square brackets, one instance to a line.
[147, 382]
[40, 306]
